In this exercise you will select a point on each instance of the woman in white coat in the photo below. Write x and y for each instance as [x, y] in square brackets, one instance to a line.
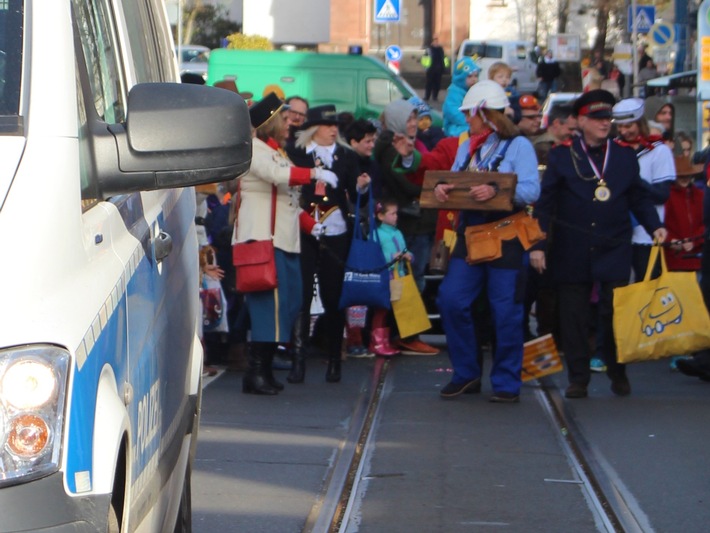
[272, 312]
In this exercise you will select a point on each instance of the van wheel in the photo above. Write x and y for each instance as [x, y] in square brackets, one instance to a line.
[183, 524]
[113, 525]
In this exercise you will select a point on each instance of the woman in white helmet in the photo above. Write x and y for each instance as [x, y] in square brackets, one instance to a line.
[494, 145]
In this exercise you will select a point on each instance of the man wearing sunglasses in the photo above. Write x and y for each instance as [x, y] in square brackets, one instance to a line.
[530, 116]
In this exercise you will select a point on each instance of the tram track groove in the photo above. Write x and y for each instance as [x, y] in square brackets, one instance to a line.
[331, 505]
[614, 506]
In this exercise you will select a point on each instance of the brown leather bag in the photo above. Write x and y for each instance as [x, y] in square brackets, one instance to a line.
[439, 260]
[484, 241]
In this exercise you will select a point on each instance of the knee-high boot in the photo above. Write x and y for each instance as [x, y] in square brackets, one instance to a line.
[255, 380]
[299, 338]
[270, 350]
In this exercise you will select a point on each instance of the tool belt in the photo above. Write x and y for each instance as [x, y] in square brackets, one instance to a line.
[484, 242]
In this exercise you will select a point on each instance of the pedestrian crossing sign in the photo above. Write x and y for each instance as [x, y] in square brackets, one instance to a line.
[645, 18]
[387, 11]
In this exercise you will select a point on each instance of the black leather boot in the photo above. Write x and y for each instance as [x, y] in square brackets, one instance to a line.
[255, 380]
[332, 375]
[270, 350]
[298, 348]
[335, 348]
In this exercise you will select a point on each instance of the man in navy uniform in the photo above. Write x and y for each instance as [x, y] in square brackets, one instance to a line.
[589, 190]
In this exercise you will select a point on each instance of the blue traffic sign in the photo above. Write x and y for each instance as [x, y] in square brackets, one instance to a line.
[662, 34]
[393, 53]
[387, 10]
[645, 17]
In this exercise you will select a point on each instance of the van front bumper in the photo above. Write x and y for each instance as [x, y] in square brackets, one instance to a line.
[44, 505]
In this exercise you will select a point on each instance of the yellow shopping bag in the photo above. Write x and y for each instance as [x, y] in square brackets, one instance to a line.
[540, 358]
[409, 311]
[661, 317]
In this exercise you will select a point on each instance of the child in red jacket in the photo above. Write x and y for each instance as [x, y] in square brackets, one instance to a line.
[684, 222]
[684, 219]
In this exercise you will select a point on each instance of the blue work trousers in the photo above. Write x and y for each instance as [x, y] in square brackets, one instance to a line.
[458, 290]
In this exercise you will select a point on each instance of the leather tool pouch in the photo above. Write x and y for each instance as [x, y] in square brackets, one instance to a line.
[484, 242]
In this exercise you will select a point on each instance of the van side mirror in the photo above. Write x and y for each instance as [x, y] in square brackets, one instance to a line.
[175, 135]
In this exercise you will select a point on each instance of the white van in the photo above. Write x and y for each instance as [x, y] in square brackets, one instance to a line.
[100, 360]
[520, 55]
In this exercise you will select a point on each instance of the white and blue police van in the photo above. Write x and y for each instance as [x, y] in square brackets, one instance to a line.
[100, 356]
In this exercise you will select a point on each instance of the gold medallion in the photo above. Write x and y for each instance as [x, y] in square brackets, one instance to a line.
[602, 192]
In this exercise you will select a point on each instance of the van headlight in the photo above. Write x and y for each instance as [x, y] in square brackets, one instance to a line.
[32, 396]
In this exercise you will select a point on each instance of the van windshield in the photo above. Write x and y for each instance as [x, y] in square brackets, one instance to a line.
[11, 26]
[483, 50]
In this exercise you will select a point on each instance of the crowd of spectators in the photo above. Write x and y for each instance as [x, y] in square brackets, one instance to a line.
[604, 182]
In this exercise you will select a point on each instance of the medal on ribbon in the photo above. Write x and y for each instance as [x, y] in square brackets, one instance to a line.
[602, 192]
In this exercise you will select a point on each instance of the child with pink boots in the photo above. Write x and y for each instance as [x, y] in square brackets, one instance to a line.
[393, 247]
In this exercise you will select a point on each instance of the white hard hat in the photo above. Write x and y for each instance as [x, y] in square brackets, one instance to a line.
[487, 94]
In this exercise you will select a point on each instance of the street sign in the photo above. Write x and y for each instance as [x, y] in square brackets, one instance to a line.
[662, 34]
[387, 11]
[645, 17]
[393, 53]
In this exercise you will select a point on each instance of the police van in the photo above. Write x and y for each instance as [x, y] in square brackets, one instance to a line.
[100, 356]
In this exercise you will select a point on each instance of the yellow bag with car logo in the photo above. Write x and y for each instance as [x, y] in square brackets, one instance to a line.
[660, 317]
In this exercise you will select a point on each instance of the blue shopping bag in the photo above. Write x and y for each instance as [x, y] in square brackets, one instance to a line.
[366, 280]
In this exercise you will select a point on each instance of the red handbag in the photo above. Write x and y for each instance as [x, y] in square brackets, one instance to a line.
[254, 261]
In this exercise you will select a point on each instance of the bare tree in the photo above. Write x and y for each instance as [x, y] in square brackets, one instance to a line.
[563, 7]
[603, 10]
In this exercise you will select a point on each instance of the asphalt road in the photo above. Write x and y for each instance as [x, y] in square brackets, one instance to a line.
[433, 465]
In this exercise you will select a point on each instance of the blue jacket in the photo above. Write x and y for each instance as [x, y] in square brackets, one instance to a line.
[392, 243]
[454, 120]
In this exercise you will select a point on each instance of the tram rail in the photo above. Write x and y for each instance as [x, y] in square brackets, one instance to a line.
[614, 508]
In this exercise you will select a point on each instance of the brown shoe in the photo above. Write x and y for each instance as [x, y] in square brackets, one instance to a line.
[576, 390]
[416, 347]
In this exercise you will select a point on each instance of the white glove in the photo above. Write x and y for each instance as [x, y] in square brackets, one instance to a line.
[327, 177]
[318, 230]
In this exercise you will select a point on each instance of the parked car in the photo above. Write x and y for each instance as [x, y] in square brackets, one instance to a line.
[193, 59]
[556, 99]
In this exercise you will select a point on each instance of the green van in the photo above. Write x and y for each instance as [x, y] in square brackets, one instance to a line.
[359, 84]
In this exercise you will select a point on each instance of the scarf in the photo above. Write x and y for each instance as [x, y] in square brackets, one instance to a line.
[476, 141]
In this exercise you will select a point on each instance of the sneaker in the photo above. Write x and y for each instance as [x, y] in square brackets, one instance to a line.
[597, 365]
[358, 352]
[416, 347]
[674, 361]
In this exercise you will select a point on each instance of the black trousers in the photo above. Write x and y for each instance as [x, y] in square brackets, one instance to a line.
[575, 308]
[328, 261]
[433, 83]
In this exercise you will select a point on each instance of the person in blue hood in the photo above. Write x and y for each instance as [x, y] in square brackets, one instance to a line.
[466, 73]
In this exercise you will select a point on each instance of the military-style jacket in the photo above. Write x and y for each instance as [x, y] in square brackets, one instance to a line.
[590, 238]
